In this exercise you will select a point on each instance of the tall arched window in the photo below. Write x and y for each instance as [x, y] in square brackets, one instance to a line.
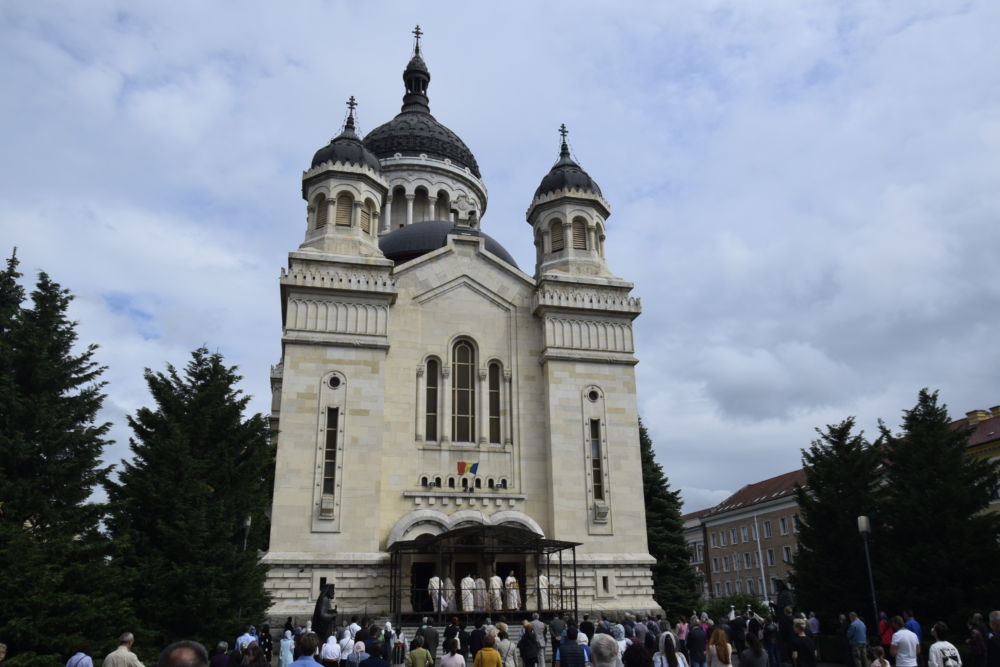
[463, 373]
[398, 218]
[442, 206]
[579, 234]
[557, 235]
[494, 403]
[319, 208]
[420, 204]
[345, 209]
[433, 386]
[367, 213]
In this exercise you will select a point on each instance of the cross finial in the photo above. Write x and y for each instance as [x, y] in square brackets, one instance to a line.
[417, 34]
[352, 104]
[563, 131]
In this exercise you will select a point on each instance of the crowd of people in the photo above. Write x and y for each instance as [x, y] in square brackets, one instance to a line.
[737, 640]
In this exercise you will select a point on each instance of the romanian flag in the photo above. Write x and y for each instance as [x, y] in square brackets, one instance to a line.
[466, 467]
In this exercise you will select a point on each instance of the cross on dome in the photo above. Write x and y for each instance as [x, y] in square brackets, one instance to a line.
[417, 34]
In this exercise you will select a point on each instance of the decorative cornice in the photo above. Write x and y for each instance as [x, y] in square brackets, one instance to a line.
[379, 282]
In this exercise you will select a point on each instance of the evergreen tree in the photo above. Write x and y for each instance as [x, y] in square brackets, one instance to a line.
[199, 471]
[937, 549]
[842, 472]
[56, 586]
[675, 584]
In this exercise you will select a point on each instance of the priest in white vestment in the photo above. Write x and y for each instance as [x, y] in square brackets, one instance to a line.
[513, 591]
[481, 599]
[468, 593]
[448, 595]
[434, 590]
[543, 592]
[496, 593]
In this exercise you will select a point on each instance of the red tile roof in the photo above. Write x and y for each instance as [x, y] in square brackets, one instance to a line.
[985, 431]
[759, 492]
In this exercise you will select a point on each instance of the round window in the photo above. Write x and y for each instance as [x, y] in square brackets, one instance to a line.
[334, 382]
[593, 395]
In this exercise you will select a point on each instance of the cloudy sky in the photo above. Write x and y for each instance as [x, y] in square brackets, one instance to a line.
[804, 193]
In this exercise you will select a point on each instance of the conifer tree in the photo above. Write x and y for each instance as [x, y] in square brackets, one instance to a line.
[200, 470]
[842, 471]
[675, 584]
[56, 585]
[937, 551]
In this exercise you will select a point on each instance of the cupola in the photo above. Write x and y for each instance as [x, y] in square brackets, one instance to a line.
[568, 215]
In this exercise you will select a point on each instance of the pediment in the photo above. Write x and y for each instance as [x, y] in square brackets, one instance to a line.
[467, 284]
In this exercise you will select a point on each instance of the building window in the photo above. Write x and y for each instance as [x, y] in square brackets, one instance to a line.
[725, 563]
[451, 482]
[746, 559]
[330, 454]
[795, 523]
[753, 533]
[596, 462]
[367, 213]
[749, 585]
[722, 538]
[715, 564]
[463, 369]
[729, 588]
[494, 401]
[701, 552]
[345, 209]
[479, 482]
[714, 540]
[718, 589]
[767, 530]
[787, 552]
[770, 557]
[745, 534]
[756, 561]
[579, 234]
[774, 585]
[783, 525]
[320, 210]
[736, 562]
[489, 483]
[739, 586]
[732, 536]
[432, 391]
[557, 235]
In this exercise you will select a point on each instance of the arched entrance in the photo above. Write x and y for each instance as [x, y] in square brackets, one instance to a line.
[545, 580]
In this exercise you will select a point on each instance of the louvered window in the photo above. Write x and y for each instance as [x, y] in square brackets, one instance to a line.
[366, 218]
[579, 235]
[345, 208]
[557, 233]
[320, 210]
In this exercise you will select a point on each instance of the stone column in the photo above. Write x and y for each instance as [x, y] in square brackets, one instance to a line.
[387, 214]
[431, 208]
[592, 238]
[421, 403]
[483, 418]
[409, 209]
[446, 410]
[356, 216]
[331, 212]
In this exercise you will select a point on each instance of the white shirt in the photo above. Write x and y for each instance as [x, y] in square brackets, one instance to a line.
[331, 651]
[944, 654]
[906, 648]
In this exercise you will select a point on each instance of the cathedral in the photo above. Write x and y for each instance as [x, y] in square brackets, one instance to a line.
[442, 413]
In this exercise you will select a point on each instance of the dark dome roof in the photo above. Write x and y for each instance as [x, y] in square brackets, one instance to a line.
[413, 133]
[567, 174]
[347, 148]
[412, 241]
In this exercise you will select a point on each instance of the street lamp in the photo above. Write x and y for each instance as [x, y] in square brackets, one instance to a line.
[865, 528]
[246, 531]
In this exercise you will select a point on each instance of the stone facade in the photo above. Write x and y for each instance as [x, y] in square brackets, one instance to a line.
[397, 369]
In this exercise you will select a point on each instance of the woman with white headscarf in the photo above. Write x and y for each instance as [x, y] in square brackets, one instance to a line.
[286, 655]
[346, 644]
[329, 655]
[357, 655]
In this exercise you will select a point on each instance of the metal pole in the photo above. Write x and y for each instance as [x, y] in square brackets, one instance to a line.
[760, 561]
[576, 601]
[864, 527]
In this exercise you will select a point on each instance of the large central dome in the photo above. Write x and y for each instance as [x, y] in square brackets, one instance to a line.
[415, 131]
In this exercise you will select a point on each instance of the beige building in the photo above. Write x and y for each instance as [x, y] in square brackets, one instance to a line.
[427, 385]
[747, 543]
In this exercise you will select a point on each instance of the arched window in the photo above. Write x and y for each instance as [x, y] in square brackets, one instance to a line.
[451, 482]
[420, 203]
[398, 215]
[463, 372]
[557, 235]
[465, 482]
[494, 403]
[503, 483]
[367, 213]
[442, 206]
[489, 483]
[437, 482]
[345, 209]
[479, 483]
[579, 234]
[432, 397]
[423, 481]
[320, 210]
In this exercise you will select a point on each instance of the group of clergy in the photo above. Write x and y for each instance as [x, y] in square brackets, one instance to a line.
[475, 594]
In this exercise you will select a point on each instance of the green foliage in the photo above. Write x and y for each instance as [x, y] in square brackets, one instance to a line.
[720, 607]
[935, 550]
[842, 477]
[57, 587]
[675, 583]
[199, 470]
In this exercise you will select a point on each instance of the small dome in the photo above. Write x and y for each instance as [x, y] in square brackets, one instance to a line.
[412, 241]
[567, 175]
[347, 147]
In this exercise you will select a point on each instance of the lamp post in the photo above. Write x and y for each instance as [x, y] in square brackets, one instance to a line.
[865, 528]
[246, 531]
